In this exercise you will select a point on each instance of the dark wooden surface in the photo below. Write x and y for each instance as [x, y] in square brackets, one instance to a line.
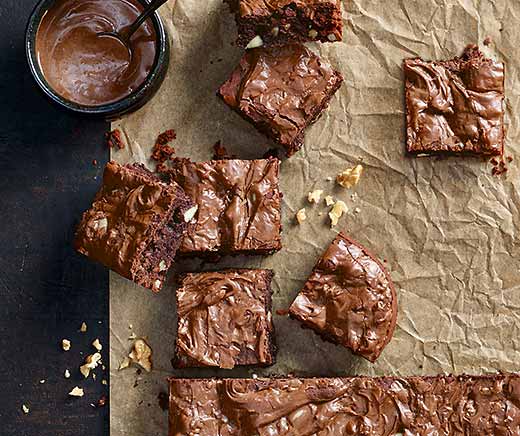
[46, 290]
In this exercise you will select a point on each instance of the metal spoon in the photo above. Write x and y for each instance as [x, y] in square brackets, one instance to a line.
[125, 34]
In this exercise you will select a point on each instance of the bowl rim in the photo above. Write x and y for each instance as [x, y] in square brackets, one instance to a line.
[121, 106]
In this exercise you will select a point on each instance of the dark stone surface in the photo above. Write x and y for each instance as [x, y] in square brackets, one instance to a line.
[47, 290]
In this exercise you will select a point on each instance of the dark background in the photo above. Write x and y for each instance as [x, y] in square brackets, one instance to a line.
[47, 178]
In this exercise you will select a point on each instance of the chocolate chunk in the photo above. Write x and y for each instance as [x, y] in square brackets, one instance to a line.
[349, 299]
[224, 319]
[280, 22]
[281, 91]
[455, 106]
[238, 206]
[135, 224]
[440, 405]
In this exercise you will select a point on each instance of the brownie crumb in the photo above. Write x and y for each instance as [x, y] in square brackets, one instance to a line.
[102, 401]
[220, 152]
[94, 162]
[509, 159]
[488, 40]
[114, 139]
[161, 150]
[500, 166]
[164, 401]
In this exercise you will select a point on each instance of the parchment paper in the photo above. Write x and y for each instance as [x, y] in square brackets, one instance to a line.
[447, 228]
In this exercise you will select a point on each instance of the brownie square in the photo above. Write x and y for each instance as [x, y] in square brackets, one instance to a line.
[224, 319]
[455, 106]
[280, 22]
[349, 299]
[281, 91]
[238, 206]
[135, 224]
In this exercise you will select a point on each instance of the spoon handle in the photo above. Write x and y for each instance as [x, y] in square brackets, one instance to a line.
[147, 11]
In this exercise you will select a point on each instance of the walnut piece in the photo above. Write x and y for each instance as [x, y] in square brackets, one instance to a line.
[301, 216]
[314, 196]
[329, 200]
[141, 354]
[337, 210]
[97, 345]
[349, 177]
[65, 344]
[83, 328]
[76, 392]
[190, 213]
[91, 362]
[255, 42]
[25, 409]
[67, 373]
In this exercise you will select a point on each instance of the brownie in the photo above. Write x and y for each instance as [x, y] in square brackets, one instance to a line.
[349, 299]
[388, 406]
[238, 206]
[455, 106]
[281, 22]
[281, 91]
[224, 319]
[135, 224]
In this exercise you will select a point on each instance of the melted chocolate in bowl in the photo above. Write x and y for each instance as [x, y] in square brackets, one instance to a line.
[87, 68]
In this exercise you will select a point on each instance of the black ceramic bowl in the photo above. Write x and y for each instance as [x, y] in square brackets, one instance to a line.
[127, 104]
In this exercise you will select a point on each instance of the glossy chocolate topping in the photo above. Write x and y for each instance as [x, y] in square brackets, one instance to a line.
[349, 299]
[225, 319]
[89, 69]
[281, 90]
[239, 205]
[455, 106]
[132, 217]
[358, 406]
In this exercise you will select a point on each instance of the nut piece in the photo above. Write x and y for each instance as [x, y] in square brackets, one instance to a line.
[275, 31]
[76, 392]
[313, 33]
[255, 42]
[142, 354]
[100, 225]
[162, 266]
[301, 216]
[91, 362]
[157, 285]
[125, 363]
[25, 409]
[349, 177]
[190, 213]
[337, 210]
[97, 345]
[329, 200]
[314, 196]
[65, 344]
[331, 37]
[83, 328]
[67, 373]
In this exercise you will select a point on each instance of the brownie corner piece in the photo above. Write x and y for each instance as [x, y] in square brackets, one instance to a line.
[281, 22]
[281, 91]
[224, 319]
[455, 106]
[135, 224]
[239, 206]
[349, 299]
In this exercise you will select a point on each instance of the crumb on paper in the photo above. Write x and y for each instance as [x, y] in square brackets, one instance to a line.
[142, 354]
[354, 196]
[130, 326]
[357, 210]
[349, 177]
[329, 179]
[65, 344]
[77, 392]
[83, 328]
[97, 345]
[487, 40]
[336, 212]
[91, 362]
[301, 216]
[114, 139]
[42, 381]
[67, 373]
[132, 336]
[104, 382]
[125, 363]
[329, 200]
[25, 409]
[314, 196]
